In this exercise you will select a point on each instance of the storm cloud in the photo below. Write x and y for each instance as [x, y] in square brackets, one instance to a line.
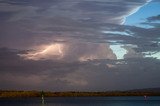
[65, 45]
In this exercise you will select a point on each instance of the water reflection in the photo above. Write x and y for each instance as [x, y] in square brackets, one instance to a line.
[82, 101]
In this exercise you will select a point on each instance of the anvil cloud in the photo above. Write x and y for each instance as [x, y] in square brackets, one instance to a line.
[64, 45]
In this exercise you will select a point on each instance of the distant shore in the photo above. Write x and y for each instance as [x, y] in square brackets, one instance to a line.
[6, 94]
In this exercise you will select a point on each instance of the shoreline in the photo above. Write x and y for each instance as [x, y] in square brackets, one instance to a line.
[13, 94]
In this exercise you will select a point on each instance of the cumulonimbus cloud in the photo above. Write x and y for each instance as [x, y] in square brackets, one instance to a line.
[65, 45]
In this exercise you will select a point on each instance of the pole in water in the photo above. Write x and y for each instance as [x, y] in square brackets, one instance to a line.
[42, 96]
[145, 97]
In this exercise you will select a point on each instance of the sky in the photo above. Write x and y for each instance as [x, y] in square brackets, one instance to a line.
[79, 45]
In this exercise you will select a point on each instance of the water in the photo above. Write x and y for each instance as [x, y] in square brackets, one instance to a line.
[82, 101]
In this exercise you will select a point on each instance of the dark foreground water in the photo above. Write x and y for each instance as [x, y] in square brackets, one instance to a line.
[82, 101]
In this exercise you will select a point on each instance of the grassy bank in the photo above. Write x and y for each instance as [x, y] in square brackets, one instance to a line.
[4, 94]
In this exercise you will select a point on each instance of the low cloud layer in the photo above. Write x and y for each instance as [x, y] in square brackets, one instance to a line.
[93, 75]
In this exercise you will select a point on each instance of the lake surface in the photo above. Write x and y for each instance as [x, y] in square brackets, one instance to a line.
[83, 101]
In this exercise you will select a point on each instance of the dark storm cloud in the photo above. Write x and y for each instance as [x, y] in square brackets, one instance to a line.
[154, 18]
[146, 39]
[41, 3]
[5, 15]
[80, 10]
[80, 27]
[152, 21]
[92, 75]
[11, 60]
[137, 36]
[17, 71]
[82, 19]
[48, 75]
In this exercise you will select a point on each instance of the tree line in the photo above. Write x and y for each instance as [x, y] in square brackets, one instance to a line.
[4, 93]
